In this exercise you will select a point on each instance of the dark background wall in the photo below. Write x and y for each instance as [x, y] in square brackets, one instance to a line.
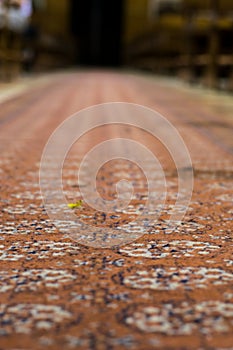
[97, 28]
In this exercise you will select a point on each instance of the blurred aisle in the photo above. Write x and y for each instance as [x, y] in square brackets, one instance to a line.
[162, 291]
[207, 113]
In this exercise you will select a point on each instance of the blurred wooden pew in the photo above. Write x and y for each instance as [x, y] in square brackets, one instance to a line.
[195, 44]
[10, 54]
[10, 39]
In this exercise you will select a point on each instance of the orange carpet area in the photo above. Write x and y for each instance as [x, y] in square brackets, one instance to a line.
[161, 290]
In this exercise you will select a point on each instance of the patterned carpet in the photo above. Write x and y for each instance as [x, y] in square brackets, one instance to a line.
[162, 291]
